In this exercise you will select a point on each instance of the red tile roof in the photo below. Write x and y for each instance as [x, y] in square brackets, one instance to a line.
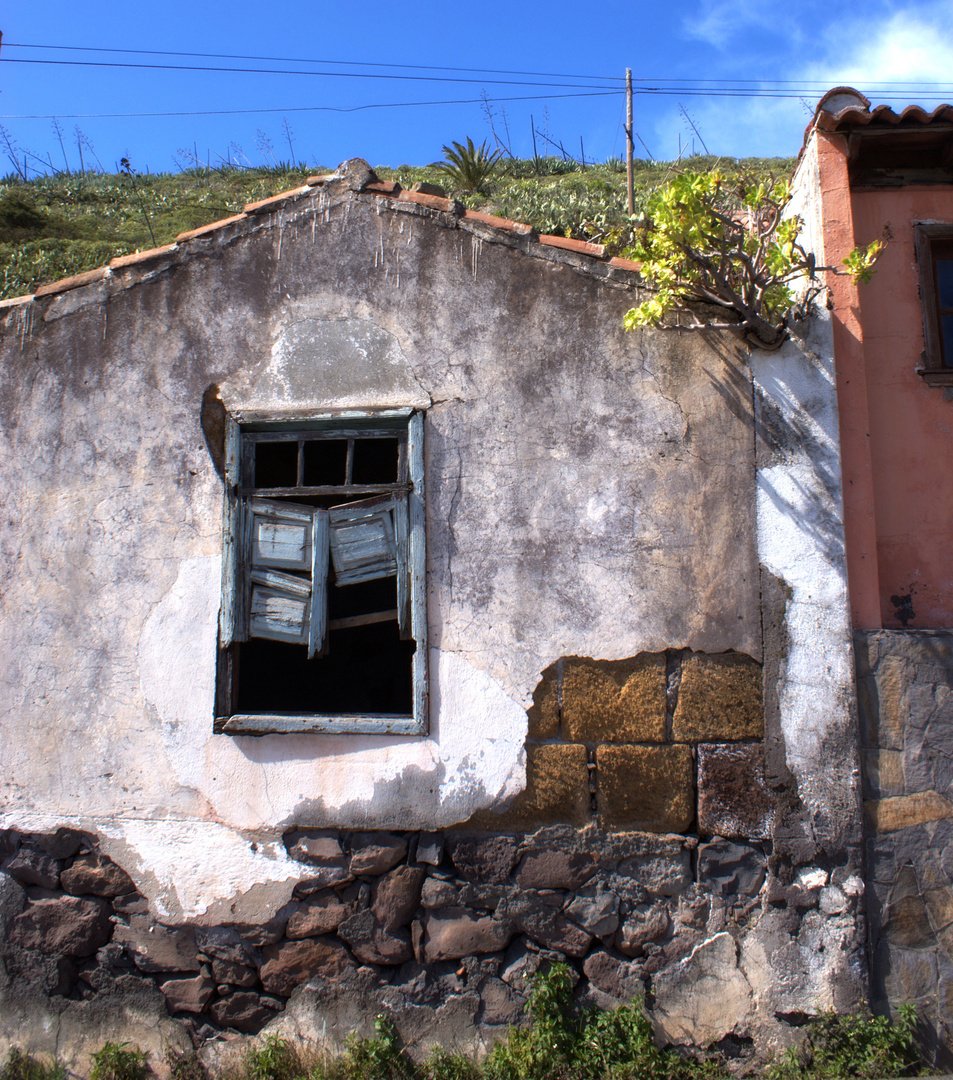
[385, 189]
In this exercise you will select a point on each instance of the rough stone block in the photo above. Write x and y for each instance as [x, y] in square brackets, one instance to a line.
[316, 849]
[665, 871]
[887, 717]
[96, 875]
[620, 979]
[291, 963]
[243, 1011]
[907, 924]
[376, 853]
[596, 910]
[614, 700]
[644, 925]
[939, 903]
[553, 931]
[550, 868]
[397, 896]
[158, 948]
[430, 849]
[488, 859]
[733, 870]
[904, 811]
[318, 914]
[33, 866]
[733, 798]
[720, 699]
[62, 926]
[223, 943]
[229, 974]
[651, 788]
[556, 793]
[188, 995]
[543, 714]
[371, 943]
[455, 932]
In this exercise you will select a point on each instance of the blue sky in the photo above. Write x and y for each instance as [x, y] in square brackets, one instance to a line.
[703, 64]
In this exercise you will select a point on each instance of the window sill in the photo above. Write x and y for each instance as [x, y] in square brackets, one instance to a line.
[936, 376]
[382, 724]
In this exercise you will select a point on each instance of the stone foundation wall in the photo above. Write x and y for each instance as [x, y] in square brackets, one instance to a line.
[649, 851]
[905, 691]
[442, 930]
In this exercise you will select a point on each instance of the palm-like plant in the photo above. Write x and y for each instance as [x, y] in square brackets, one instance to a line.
[469, 167]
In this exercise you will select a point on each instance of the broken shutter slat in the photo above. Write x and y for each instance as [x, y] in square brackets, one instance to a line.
[274, 579]
[320, 544]
[281, 535]
[230, 622]
[363, 544]
[279, 615]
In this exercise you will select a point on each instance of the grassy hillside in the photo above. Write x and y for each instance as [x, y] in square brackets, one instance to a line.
[64, 224]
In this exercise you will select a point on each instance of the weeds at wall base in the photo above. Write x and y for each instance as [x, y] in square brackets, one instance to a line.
[559, 1043]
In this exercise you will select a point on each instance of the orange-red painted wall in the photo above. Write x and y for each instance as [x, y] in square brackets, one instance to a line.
[910, 424]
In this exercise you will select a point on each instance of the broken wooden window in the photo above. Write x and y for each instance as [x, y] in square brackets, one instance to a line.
[323, 626]
[934, 246]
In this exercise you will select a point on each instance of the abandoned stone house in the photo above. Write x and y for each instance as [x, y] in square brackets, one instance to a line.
[381, 622]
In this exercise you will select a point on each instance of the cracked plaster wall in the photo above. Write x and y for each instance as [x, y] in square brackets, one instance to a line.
[589, 493]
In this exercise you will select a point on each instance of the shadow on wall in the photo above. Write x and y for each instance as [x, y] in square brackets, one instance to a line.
[813, 507]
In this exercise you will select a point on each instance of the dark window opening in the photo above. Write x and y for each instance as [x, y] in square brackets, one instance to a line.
[323, 621]
[934, 245]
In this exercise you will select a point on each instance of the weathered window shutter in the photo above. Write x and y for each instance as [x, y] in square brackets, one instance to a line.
[288, 606]
[363, 540]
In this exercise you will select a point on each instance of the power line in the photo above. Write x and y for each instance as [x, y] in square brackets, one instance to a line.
[300, 60]
[286, 71]
[823, 83]
[296, 108]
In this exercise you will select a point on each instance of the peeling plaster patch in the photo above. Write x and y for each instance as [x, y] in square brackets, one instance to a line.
[194, 869]
[332, 363]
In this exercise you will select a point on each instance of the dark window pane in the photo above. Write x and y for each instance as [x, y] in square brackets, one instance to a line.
[325, 461]
[375, 461]
[946, 335]
[944, 282]
[276, 464]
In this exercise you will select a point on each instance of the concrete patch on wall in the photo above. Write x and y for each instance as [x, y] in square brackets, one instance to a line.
[329, 363]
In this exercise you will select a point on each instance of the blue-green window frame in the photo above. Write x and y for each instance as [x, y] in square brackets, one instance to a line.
[410, 528]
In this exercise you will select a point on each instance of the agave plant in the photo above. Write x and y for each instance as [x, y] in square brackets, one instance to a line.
[469, 167]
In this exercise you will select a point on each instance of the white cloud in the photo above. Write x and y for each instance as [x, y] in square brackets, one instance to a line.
[912, 45]
[888, 43]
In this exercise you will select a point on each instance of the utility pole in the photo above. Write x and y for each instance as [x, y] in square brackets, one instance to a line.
[628, 141]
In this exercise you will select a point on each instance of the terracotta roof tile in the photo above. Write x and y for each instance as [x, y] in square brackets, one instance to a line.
[625, 264]
[272, 200]
[12, 301]
[77, 281]
[212, 227]
[140, 256]
[433, 201]
[583, 247]
[383, 187]
[498, 222]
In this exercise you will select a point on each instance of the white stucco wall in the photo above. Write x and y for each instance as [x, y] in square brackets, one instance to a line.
[590, 493]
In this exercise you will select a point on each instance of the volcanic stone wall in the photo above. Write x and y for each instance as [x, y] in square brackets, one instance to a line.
[639, 854]
[905, 691]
